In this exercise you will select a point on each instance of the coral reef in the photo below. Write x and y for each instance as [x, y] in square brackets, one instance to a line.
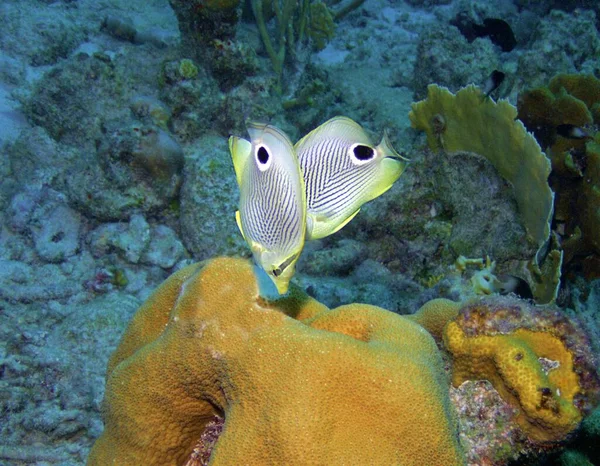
[536, 359]
[290, 368]
[571, 101]
[470, 122]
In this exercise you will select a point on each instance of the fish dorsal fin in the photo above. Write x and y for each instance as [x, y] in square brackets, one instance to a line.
[320, 225]
[338, 126]
[241, 150]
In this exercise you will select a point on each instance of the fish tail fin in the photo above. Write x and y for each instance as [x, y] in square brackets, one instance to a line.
[388, 150]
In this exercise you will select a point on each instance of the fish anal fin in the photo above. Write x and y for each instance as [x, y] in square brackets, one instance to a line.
[320, 227]
[345, 222]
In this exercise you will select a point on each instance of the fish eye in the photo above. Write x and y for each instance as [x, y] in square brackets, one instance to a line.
[263, 157]
[361, 153]
[277, 271]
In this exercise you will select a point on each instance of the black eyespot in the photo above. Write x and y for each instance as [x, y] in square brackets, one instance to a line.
[263, 155]
[363, 152]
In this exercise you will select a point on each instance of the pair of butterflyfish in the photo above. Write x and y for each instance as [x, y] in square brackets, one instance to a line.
[290, 194]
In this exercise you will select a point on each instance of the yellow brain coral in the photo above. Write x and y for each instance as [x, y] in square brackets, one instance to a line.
[297, 384]
[537, 361]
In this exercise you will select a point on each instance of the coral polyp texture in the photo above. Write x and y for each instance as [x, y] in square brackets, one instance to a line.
[536, 359]
[295, 382]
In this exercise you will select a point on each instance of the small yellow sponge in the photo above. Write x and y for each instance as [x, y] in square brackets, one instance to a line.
[537, 361]
[297, 383]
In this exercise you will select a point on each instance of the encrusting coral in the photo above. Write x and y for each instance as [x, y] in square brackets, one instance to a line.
[536, 359]
[296, 383]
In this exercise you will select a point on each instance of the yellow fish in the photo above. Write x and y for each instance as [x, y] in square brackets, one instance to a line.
[272, 209]
[342, 170]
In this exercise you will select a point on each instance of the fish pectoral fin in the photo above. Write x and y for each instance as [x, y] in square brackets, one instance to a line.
[238, 220]
[320, 225]
[241, 150]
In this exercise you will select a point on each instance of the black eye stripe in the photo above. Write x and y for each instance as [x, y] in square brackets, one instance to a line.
[263, 155]
[363, 152]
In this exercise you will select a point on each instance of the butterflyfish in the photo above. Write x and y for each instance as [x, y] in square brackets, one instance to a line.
[272, 208]
[342, 170]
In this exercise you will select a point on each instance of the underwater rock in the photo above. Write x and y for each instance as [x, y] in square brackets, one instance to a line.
[137, 242]
[200, 22]
[484, 214]
[138, 169]
[61, 105]
[35, 155]
[192, 95]
[562, 43]
[39, 36]
[446, 58]
[119, 27]
[232, 62]
[427, 3]
[42, 213]
[52, 376]
[339, 260]
[21, 209]
[209, 202]
[256, 94]
[129, 239]
[143, 154]
[56, 232]
[20, 282]
[164, 248]
[150, 110]
[314, 99]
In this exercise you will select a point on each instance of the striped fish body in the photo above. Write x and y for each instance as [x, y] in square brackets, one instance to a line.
[272, 209]
[342, 170]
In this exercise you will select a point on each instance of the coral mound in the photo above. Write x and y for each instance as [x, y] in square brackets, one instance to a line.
[536, 359]
[296, 383]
